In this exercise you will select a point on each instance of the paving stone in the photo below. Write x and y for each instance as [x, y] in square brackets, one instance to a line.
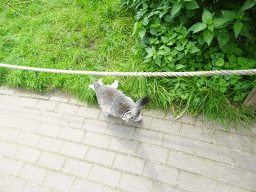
[48, 129]
[51, 161]
[74, 150]
[87, 112]
[82, 185]
[9, 134]
[71, 134]
[29, 113]
[233, 141]
[27, 102]
[204, 122]
[59, 99]
[10, 166]
[9, 99]
[213, 152]
[40, 96]
[123, 145]
[148, 136]
[185, 162]
[6, 91]
[160, 187]
[100, 156]
[108, 189]
[59, 181]
[161, 173]
[128, 163]
[222, 187]
[245, 160]
[198, 133]
[8, 121]
[28, 125]
[95, 126]
[250, 178]
[31, 187]
[12, 110]
[50, 117]
[66, 108]
[110, 118]
[195, 183]
[224, 173]
[96, 139]
[105, 176]
[8, 149]
[50, 144]
[153, 113]
[144, 123]
[28, 154]
[135, 183]
[77, 102]
[27, 138]
[71, 121]
[46, 105]
[10, 184]
[151, 152]
[120, 131]
[179, 143]
[165, 126]
[186, 118]
[33, 174]
[77, 168]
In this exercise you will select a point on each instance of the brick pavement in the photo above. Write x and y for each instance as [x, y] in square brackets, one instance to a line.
[55, 143]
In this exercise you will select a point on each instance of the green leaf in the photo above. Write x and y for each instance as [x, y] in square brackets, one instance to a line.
[190, 13]
[179, 48]
[145, 21]
[207, 16]
[180, 56]
[179, 66]
[149, 50]
[168, 18]
[197, 27]
[223, 89]
[176, 8]
[192, 5]
[201, 39]
[237, 28]
[240, 13]
[245, 31]
[211, 27]
[164, 39]
[248, 4]
[223, 38]
[220, 62]
[208, 66]
[219, 22]
[194, 49]
[153, 31]
[208, 36]
[183, 19]
[142, 33]
[158, 61]
[183, 61]
[228, 15]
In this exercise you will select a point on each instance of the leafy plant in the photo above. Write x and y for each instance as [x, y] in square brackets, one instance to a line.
[190, 35]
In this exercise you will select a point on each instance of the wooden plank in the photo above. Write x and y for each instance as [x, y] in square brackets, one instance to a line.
[250, 101]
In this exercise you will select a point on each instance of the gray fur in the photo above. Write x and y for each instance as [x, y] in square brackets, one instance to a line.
[113, 102]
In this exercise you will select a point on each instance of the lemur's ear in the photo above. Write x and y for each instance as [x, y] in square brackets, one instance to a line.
[92, 87]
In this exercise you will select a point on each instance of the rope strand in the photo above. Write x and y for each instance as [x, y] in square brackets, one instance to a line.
[143, 74]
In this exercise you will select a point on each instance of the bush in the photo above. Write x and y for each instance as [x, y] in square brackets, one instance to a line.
[190, 35]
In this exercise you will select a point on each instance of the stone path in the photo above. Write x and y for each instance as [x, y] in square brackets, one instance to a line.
[54, 143]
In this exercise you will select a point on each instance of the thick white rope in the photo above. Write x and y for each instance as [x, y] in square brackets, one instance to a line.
[144, 74]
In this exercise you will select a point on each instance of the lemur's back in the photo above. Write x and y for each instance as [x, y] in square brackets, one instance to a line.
[113, 101]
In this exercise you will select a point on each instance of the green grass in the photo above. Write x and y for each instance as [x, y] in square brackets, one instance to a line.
[94, 35]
